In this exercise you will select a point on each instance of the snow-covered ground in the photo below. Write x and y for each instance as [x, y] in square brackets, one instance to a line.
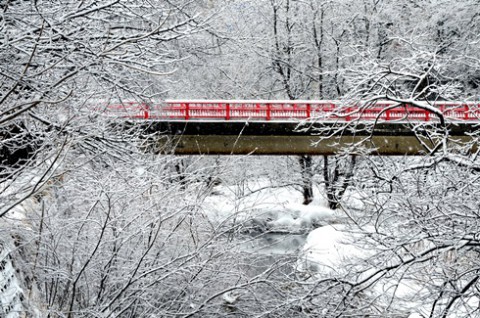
[325, 241]
[342, 250]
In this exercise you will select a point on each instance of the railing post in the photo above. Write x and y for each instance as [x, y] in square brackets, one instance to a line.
[227, 111]
[309, 109]
[269, 114]
[442, 108]
[465, 115]
[146, 114]
[187, 112]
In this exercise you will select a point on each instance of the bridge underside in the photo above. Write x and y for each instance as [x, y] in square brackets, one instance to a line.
[268, 138]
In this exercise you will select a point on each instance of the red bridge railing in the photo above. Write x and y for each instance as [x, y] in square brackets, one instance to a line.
[242, 110]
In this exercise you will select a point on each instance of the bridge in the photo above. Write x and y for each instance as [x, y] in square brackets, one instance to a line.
[299, 127]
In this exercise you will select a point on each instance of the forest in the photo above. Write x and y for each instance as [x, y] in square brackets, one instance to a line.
[95, 221]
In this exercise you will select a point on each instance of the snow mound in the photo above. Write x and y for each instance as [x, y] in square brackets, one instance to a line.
[330, 249]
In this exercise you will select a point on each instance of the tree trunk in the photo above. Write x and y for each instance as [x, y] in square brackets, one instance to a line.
[307, 176]
[336, 181]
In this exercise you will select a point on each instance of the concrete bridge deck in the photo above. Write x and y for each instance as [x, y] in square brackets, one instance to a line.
[288, 138]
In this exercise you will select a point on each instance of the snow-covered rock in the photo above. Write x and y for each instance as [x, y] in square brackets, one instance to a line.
[267, 208]
[11, 294]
